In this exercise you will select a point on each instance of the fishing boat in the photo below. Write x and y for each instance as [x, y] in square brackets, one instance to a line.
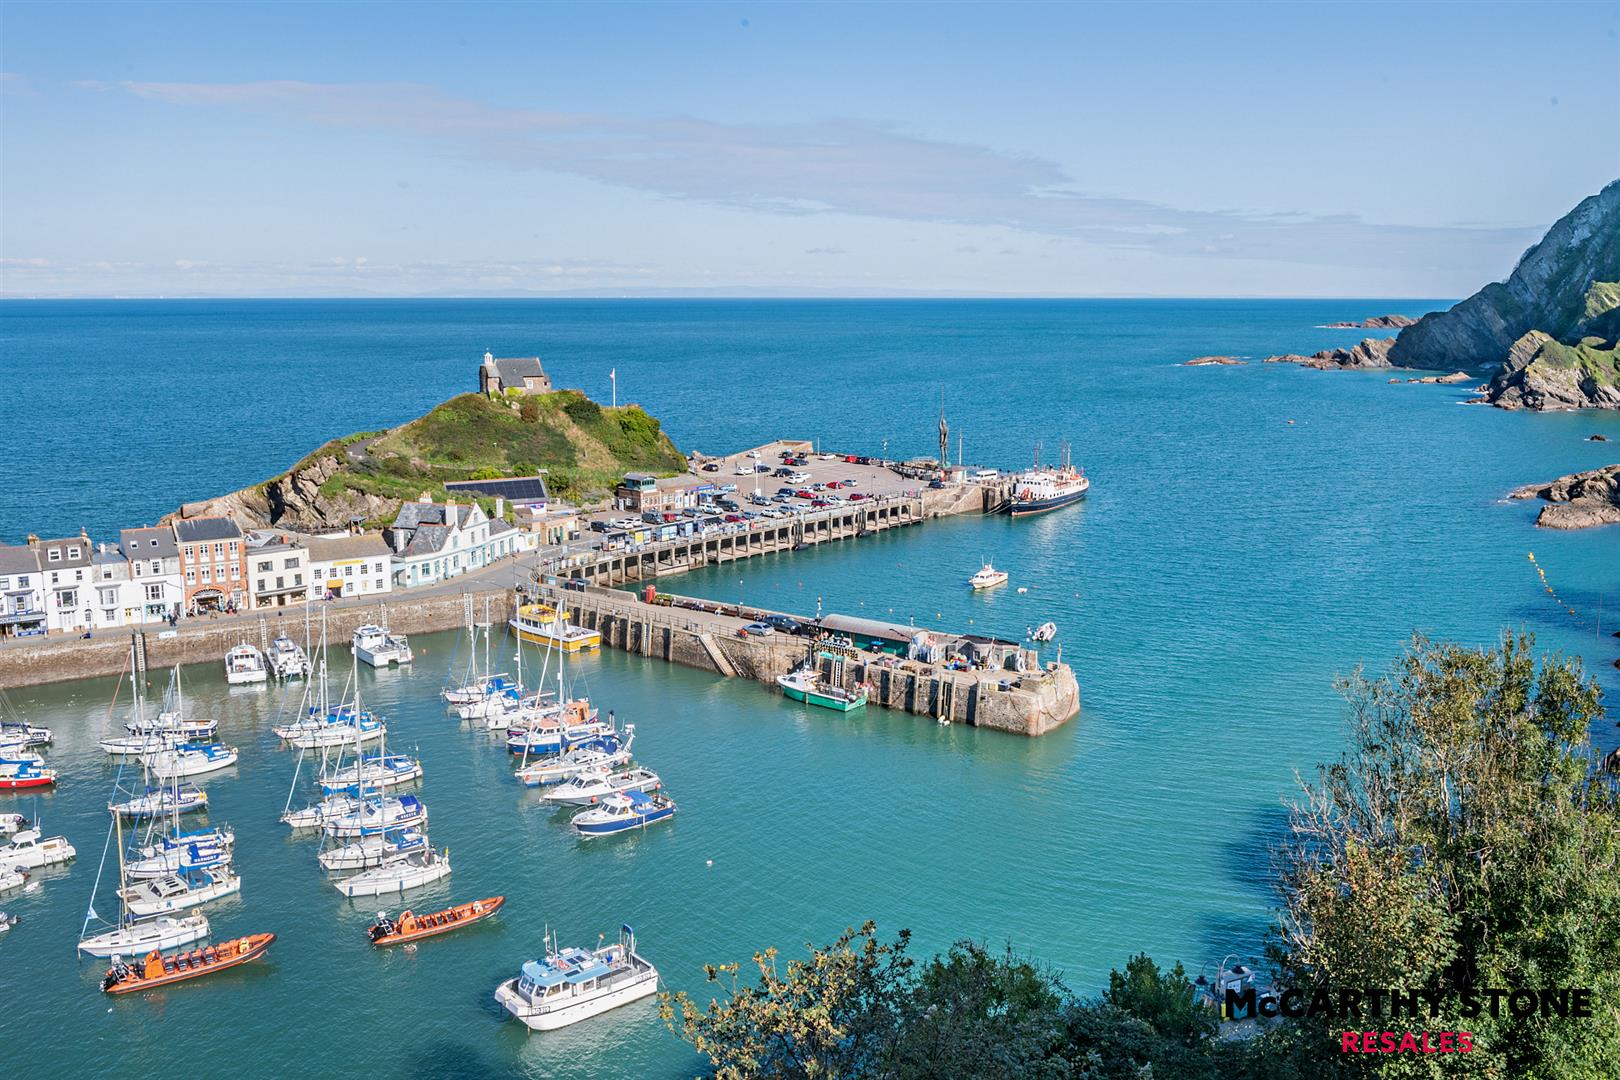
[244, 664]
[623, 812]
[369, 851]
[803, 684]
[24, 772]
[176, 892]
[573, 984]
[571, 724]
[27, 851]
[588, 788]
[374, 645]
[542, 624]
[287, 659]
[1044, 632]
[190, 759]
[1037, 490]
[409, 871]
[605, 752]
[378, 773]
[157, 802]
[987, 577]
[180, 849]
[160, 970]
[373, 815]
[413, 927]
[11, 878]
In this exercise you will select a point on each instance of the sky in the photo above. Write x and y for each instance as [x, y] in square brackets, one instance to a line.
[375, 149]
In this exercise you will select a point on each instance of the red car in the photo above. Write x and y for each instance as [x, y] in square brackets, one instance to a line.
[734, 518]
[857, 497]
[820, 502]
[804, 493]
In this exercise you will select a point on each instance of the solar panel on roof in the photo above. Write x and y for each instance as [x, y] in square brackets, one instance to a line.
[517, 489]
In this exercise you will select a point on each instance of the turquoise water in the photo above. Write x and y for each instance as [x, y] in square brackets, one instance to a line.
[1227, 565]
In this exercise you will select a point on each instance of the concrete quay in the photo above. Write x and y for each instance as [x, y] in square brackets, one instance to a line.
[1032, 703]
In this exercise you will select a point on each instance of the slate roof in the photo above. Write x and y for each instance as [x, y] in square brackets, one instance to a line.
[514, 369]
[148, 543]
[426, 540]
[190, 530]
[16, 559]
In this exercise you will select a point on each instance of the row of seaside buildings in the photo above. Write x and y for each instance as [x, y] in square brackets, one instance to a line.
[200, 565]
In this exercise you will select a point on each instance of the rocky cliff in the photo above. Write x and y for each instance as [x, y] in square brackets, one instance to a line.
[1577, 501]
[1550, 327]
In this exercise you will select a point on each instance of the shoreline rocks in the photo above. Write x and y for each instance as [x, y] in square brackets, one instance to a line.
[1577, 501]
[1377, 322]
[1370, 353]
[1205, 361]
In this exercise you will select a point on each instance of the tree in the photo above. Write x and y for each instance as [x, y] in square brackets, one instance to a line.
[832, 1017]
[1466, 840]
[1163, 999]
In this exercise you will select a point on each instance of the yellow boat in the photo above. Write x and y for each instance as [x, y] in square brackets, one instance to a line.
[542, 624]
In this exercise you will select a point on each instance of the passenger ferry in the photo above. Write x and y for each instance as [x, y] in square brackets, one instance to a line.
[542, 624]
[1038, 490]
[565, 987]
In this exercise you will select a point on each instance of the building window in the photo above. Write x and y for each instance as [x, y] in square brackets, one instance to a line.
[73, 553]
[5, 583]
[292, 563]
[154, 592]
[109, 615]
[219, 549]
[236, 571]
[281, 582]
[233, 547]
[53, 555]
[348, 571]
[298, 579]
[191, 576]
[68, 599]
[261, 585]
[22, 581]
[264, 568]
[379, 568]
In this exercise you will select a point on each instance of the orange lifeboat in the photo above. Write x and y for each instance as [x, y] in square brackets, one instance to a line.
[412, 927]
[159, 970]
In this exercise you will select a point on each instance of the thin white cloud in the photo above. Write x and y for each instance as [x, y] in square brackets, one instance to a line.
[843, 166]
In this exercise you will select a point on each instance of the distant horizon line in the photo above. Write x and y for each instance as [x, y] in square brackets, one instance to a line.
[683, 295]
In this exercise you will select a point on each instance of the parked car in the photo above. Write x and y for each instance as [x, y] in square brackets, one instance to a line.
[759, 500]
[785, 624]
[936, 484]
[711, 467]
[819, 503]
[732, 519]
[762, 468]
[756, 629]
[753, 453]
[857, 497]
[804, 493]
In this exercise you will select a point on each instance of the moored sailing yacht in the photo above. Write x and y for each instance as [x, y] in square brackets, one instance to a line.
[189, 759]
[374, 850]
[604, 752]
[567, 986]
[378, 773]
[416, 868]
[178, 891]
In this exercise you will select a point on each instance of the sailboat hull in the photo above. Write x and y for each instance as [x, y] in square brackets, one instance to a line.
[142, 938]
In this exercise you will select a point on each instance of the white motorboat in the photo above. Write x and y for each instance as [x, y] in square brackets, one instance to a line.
[190, 759]
[371, 851]
[192, 850]
[417, 868]
[176, 892]
[601, 754]
[28, 851]
[244, 664]
[377, 773]
[988, 577]
[565, 987]
[161, 801]
[1044, 632]
[140, 938]
[587, 788]
[287, 659]
[622, 812]
[374, 815]
[11, 878]
[373, 645]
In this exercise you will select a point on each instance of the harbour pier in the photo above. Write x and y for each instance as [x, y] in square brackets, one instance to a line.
[1022, 695]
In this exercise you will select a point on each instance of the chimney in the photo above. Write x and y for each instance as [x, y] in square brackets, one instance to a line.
[424, 498]
[84, 534]
[500, 506]
[33, 540]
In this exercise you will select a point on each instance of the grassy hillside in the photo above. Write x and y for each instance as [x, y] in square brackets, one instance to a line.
[583, 448]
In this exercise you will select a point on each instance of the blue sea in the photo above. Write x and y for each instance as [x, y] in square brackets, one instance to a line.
[1252, 532]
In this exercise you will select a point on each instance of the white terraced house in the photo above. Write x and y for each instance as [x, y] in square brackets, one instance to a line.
[22, 592]
[434, 542]
[358, 565]
[154, 565]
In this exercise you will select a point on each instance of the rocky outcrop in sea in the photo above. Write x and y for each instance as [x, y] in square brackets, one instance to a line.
[1370, 353]
[1377, 322]
[1577, 501]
